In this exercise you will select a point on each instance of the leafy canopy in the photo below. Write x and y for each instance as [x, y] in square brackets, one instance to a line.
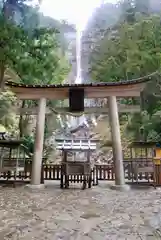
[130, 52]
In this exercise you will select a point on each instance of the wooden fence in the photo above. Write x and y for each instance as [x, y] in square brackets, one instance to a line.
[99, 172]
[137, 155]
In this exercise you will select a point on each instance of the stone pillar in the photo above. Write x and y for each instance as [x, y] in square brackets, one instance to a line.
[39, 140]
[116, 143]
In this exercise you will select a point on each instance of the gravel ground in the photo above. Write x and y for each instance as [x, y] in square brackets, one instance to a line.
[98, 213]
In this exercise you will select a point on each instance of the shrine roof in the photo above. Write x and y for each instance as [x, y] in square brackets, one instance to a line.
[76, 144]
[128, 88]
[75, 139]
[83, 85]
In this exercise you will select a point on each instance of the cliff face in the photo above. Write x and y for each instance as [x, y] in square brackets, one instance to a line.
[103, 17]
[71, 55]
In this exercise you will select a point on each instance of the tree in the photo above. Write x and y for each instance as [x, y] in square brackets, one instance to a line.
[40, 60]
[7, 112]
[30, 53]
[35, 57]
[11, 38]
[130, 52]
[26, 46]
[129, 8]
[127, 11]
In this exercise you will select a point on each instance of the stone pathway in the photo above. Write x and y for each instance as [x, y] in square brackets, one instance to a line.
[98, 213]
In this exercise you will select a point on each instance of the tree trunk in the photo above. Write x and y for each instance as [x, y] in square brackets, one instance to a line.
[2, 71]
[21, 121]
[142, 101]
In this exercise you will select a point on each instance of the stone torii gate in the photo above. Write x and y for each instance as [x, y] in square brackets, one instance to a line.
[110, 90]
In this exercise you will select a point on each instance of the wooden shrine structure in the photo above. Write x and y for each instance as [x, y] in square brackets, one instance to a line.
[74, 166]
[148, 161]
[12, 155]
[110, 90]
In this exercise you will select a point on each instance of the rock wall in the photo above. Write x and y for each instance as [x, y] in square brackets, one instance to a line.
[103, 17]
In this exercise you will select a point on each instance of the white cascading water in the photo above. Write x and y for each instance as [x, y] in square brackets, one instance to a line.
[78, 120]
[78, 58]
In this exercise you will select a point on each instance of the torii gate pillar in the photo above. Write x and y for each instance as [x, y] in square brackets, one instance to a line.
[38, 149]
[116, 144]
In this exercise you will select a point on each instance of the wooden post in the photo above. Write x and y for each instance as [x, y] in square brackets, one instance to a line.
[157, 165]
[116, 143]
[39, 140]
[157, 169]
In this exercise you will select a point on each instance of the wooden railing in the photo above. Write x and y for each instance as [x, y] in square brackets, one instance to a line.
[105, 172]
[13, 162]
[51, 172]
[99, 173]
[131, 166]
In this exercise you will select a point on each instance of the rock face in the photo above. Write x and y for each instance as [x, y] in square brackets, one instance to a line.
[104, 17]
[71, 55]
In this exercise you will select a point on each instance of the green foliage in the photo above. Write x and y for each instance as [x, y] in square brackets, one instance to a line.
[29, 45]
[7, 112]
[32, 52]
[149, 125]
[36, 58]
[40, 60]
[28, 145]
[11, 38]
[131, 50]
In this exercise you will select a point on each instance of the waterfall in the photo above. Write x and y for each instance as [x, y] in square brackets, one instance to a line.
[78, 120]
[78, 57]
[75, 122]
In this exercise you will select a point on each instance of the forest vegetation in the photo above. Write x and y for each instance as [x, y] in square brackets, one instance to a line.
[32, 51]
[130, 48]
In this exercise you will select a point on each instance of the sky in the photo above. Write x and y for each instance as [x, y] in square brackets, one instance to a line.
[75, 11]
